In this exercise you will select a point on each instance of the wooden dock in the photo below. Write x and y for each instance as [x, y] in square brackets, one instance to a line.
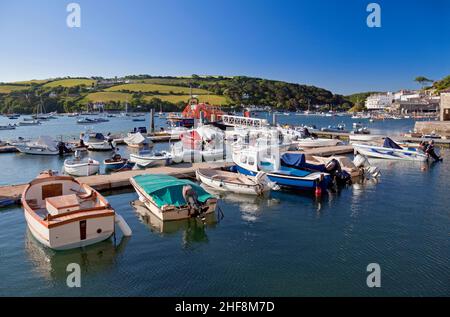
[120, 180]
[328, 150]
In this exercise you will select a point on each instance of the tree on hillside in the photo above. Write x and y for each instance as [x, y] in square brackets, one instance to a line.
[423, 81]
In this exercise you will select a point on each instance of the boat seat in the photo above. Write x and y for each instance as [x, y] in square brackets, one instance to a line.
[33, 204]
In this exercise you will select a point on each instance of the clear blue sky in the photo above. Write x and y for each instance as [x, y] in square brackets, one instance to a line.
[322, 42]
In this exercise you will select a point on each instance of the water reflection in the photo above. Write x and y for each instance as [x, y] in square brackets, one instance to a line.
[52, 265]
[193, 229]
[251, 207]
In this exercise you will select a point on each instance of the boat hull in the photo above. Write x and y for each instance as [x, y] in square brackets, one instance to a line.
[290, 181]
[389, 153]
[82, 169]
[143, 161]
[171, 214]
[35, 150]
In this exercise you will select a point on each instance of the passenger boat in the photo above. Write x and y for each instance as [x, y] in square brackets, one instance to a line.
[149, 158]
[235, 182]
[390, 150]
[117, 162]
[63, 213]
[44, 145]
[137, 140]
[250, 161]
[170, 198]
[81, 167]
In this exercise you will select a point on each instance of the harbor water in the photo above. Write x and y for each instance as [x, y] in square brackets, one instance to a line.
[287, 244]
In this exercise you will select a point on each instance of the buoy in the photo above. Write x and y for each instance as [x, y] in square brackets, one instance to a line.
[318, 191]
[126, 230]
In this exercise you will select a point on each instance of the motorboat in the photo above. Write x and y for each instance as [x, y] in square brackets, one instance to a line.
[365, 137]
[30, 123]
[138, 119]
[340, 128]
[148, 158]
[98, 142]
[8, 127]
[315, 142]
[252, 160]
[62, 213]
[170, 198]
[44, 145]
[89, 121]
[390, 150]
[117, 162]
[137, 140]
[81, 167]
[235, 182]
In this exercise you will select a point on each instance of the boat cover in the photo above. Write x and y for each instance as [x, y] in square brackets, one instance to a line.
[136, 138]
[168, 190]
[389, 143]
[293, 159]
[297, 160]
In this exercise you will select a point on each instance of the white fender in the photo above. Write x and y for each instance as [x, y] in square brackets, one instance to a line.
[126, 230]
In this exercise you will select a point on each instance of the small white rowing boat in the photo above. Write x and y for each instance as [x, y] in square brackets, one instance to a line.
[311, 142]
[149, 158]
[79, 167]
[235, 182]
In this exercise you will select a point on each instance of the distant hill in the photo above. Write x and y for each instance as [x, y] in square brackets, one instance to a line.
[170, 93]
[442, 84]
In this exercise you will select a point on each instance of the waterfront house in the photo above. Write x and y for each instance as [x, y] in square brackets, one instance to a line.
[379, 101]
[445, 106]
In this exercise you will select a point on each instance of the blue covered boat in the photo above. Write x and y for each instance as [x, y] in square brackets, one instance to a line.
[292, 171]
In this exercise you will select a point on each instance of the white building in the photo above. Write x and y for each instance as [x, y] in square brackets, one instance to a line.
[379, 101]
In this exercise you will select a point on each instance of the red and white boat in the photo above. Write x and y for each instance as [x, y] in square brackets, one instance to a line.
[63, 213]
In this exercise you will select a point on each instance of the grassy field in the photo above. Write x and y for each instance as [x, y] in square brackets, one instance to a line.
[33, 81]
[6, 89]
[70, 82]
[107, 96]
[212, 99]
[163, 89]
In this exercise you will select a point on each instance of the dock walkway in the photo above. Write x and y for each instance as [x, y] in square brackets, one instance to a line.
[120, 180]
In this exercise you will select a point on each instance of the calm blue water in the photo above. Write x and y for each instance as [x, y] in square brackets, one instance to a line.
[284, 245]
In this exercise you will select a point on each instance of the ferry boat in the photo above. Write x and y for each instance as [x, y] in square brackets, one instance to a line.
[63, 213]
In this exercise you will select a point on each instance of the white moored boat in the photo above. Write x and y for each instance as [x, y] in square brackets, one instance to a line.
[235, 182]
[312, 142]
[45, 145]
[149, 158]
[98, 142]
[63, 213]
[365, 137]
[81, 167]
[390, 150]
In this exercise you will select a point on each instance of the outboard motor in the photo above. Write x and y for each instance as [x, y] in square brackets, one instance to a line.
[339, 176]
[62, 148]
[194, 205]
[363, 164]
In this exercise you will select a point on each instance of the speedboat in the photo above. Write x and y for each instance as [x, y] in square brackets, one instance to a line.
[251, 160]
[170, 198]
[44, 145]
[63, 213]
[235, 182]
[87, 121]
[137, 140]
[390, 150]
[149, 158]
[81, 167]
